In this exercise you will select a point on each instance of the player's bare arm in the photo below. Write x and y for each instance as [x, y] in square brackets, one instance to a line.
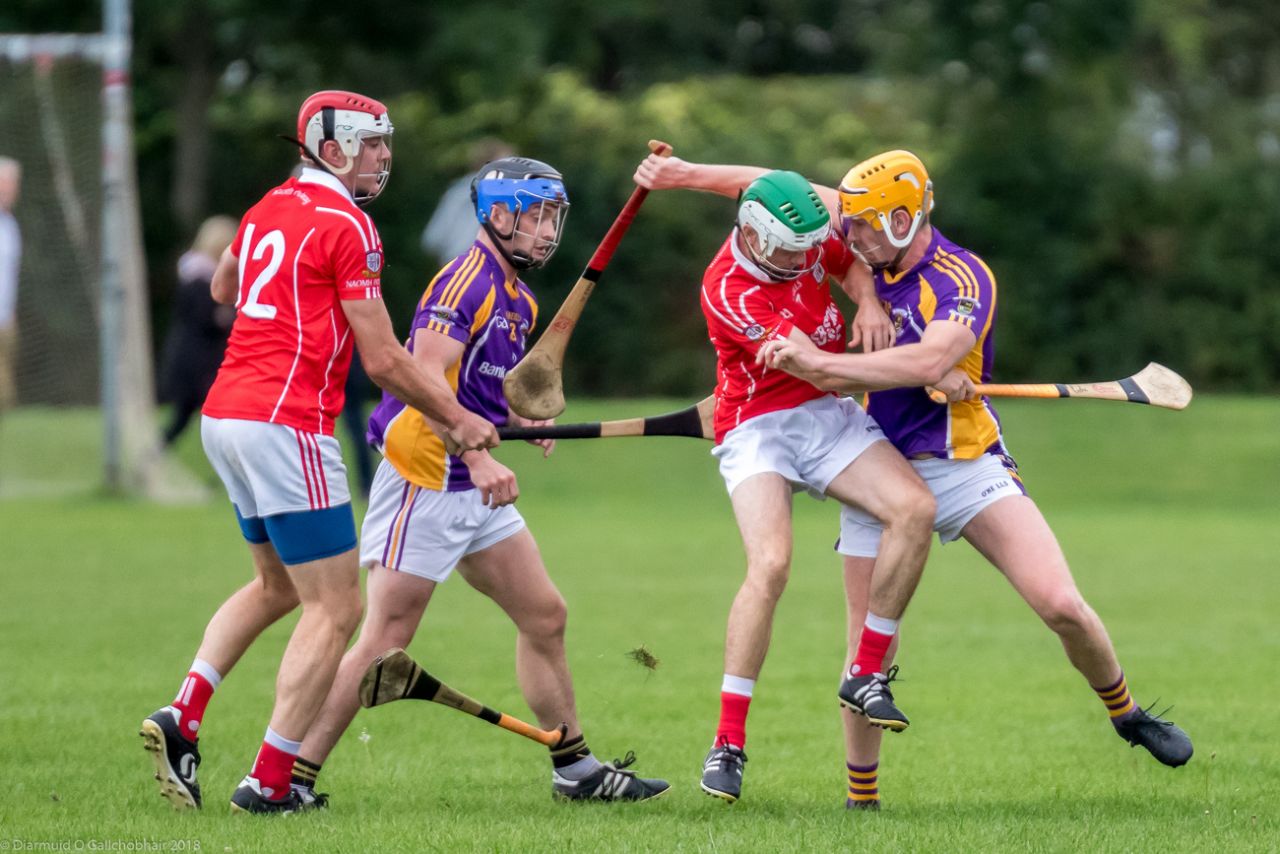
[940, 349]
[226, 279]
[672, 173]
[871, 328]
[390, 366]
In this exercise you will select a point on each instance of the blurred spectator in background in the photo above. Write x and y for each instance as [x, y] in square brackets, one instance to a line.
[199, 327]
[10, 261]
[452, 227]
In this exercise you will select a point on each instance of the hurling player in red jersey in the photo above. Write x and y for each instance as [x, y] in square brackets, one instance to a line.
[945, 298]
[304, 273]
[776, 434]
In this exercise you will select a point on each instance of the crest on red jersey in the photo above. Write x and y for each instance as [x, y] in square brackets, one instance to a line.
[373, 261]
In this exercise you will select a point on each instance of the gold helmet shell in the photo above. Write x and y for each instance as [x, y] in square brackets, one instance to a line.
[878, 186]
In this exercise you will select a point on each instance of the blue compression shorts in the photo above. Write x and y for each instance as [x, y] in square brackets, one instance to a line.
[303, 536]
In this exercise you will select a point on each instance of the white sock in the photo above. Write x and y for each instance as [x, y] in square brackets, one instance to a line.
[279, 742]
[737, 685]
[579, 769]
[208, 671]
[881, 625]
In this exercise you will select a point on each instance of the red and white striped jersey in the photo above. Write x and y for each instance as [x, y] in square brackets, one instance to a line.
[744, 307]
[301, 250]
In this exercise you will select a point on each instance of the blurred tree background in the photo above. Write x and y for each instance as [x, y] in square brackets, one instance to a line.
[1116, 162]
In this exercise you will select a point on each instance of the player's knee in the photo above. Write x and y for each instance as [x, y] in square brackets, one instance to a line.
[349, 613]
[546, 622]
[379, 635]
[767, 575]
[913, 510]
[281, 596]
[1066, 612]
[555, 617]
[340, 610]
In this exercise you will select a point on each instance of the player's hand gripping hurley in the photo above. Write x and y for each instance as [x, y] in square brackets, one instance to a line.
[535, 387]
[395, 676]
[1154, 385]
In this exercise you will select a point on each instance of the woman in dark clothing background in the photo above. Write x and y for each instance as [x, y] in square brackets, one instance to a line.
[198, 329]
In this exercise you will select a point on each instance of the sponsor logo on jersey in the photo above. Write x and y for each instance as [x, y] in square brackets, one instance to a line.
[489, 370]
[830, 329]
[292, 191]
[754, 332]
[373, 261]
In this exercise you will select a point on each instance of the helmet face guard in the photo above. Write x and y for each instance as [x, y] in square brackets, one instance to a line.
[353, 121]
[532, 192]
[785, 214]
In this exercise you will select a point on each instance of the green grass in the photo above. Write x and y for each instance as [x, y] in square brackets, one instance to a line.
[1170, 521]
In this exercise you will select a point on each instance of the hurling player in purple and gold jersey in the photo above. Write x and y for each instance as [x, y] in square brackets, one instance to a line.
[431, 511]
[942, 299]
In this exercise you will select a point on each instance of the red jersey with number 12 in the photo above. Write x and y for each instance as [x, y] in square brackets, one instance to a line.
[302, 249]
[744, 307]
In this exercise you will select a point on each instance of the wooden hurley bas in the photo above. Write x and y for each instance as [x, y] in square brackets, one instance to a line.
[1154, 385]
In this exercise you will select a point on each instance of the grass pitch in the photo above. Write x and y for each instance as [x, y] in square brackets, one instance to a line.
[1170, 521]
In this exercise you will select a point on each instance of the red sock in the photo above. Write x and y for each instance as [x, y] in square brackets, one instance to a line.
[873, 646]
[193, 698]
[273, 769]
[733, 719]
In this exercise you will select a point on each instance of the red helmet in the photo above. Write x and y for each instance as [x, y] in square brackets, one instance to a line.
[347, 118]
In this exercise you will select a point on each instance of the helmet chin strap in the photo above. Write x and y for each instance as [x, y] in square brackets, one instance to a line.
[897, 259]
[902, 251]
[519, 262]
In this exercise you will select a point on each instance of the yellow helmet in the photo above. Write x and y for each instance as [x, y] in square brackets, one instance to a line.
[878, 186]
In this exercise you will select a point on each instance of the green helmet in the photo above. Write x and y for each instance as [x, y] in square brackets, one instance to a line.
[786, 213]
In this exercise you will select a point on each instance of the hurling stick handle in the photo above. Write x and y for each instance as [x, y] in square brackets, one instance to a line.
[548, 737]
[454, 699]
[1022, 389]
[1046, 390]
[694, 422]
[604, 252]
[589, 430]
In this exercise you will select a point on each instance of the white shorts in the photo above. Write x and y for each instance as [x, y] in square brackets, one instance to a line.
[270, 469]
[963, 489]
[808, 444]
[425, 532]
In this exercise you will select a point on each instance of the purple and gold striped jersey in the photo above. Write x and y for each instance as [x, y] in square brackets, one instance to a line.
[471, 301]
[948, 284]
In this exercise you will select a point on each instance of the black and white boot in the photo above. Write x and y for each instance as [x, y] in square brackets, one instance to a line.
[722, 772]
[610, 782]
[869, 695]
[175, 757]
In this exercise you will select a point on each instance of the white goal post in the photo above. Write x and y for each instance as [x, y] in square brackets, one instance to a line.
[132, 461]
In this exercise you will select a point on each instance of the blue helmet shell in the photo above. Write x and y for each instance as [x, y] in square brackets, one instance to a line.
[518, 183]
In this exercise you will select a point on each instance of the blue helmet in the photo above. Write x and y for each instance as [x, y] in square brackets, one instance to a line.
[519, 184]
